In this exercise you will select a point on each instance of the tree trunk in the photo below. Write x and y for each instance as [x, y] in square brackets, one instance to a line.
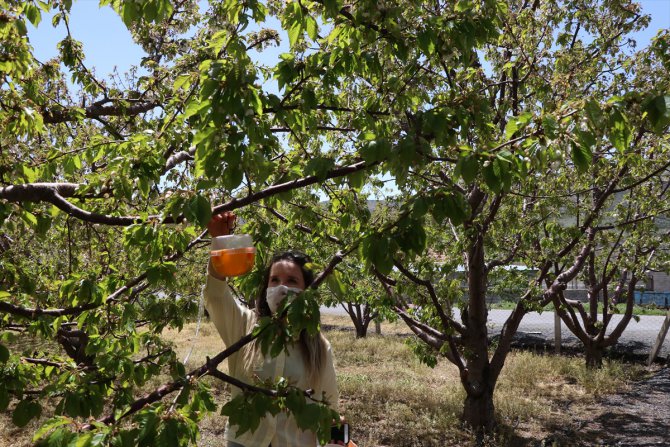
[593, 353]
[360, 318]
[478, 411]
[361, 330]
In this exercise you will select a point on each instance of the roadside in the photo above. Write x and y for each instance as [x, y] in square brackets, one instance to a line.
[537, 331]
[638, 417]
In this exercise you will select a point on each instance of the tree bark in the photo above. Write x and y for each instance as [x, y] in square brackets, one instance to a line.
[593, 353]
[360, 318]
[478, 411]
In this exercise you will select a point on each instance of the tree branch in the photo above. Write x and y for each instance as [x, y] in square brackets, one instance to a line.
[447, 322]
[326, 128]
[55, 116]
[301, 227]
[55, 194]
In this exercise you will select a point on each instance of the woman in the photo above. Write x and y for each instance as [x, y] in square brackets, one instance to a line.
[308, 364]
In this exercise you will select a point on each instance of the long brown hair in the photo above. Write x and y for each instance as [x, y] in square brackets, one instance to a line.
[312, 347]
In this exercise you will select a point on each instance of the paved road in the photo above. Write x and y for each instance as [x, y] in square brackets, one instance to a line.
[640, 335]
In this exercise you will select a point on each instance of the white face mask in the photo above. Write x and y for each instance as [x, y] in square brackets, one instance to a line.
[275, 295]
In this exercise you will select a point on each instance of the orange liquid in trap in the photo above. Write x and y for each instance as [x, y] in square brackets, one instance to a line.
[233, 261]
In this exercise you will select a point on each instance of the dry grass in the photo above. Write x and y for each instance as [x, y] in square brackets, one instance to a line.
[390, 399]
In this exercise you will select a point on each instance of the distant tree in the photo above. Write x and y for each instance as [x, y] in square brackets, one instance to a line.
[628, 244]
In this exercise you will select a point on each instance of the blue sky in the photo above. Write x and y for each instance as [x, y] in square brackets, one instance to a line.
[107, 42]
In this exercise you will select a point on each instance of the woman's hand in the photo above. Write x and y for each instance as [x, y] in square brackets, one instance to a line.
[222, 224]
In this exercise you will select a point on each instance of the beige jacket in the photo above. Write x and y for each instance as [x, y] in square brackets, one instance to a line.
[233, 320]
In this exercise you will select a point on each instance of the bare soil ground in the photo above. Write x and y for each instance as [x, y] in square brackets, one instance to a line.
[637, 417]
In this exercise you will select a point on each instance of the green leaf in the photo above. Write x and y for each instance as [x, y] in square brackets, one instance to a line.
[181, 81]
[658, 112]
[581, 156]
[492, 177]
[464, 5]
[4, 399]
[311, 28]
[426, 40]
[586, 139]
[29, 218]
[309, 418]
[20, 26]
[239, 414]
[83, 440]
[319, 167]
[294, 33]
[201, 210]
[619, 131]
[169, 433]
[376, 150]
[420, 206]
[405, 150]
[48, 426]
[72, 405]
[468, 168]
[511, 127]
[98, 439]
[88, 291]
[308, 99]
[411, 236]
[277, 347]
[161, 273]
[150, 11]
[256, 102]
[177, 370]
[148, 421]
[33, 14]
[29, 174]
[377, 250]
[129, 13]
[25, 411]
[195, 106]
[206, 399]
[203, 135]
[232, 177]
[43, 224]
[336, 285]
[594, 114]
[453, 206]
[4, 354]
[144, 185]
[550, 126]
[333, 7]
[295, 401]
